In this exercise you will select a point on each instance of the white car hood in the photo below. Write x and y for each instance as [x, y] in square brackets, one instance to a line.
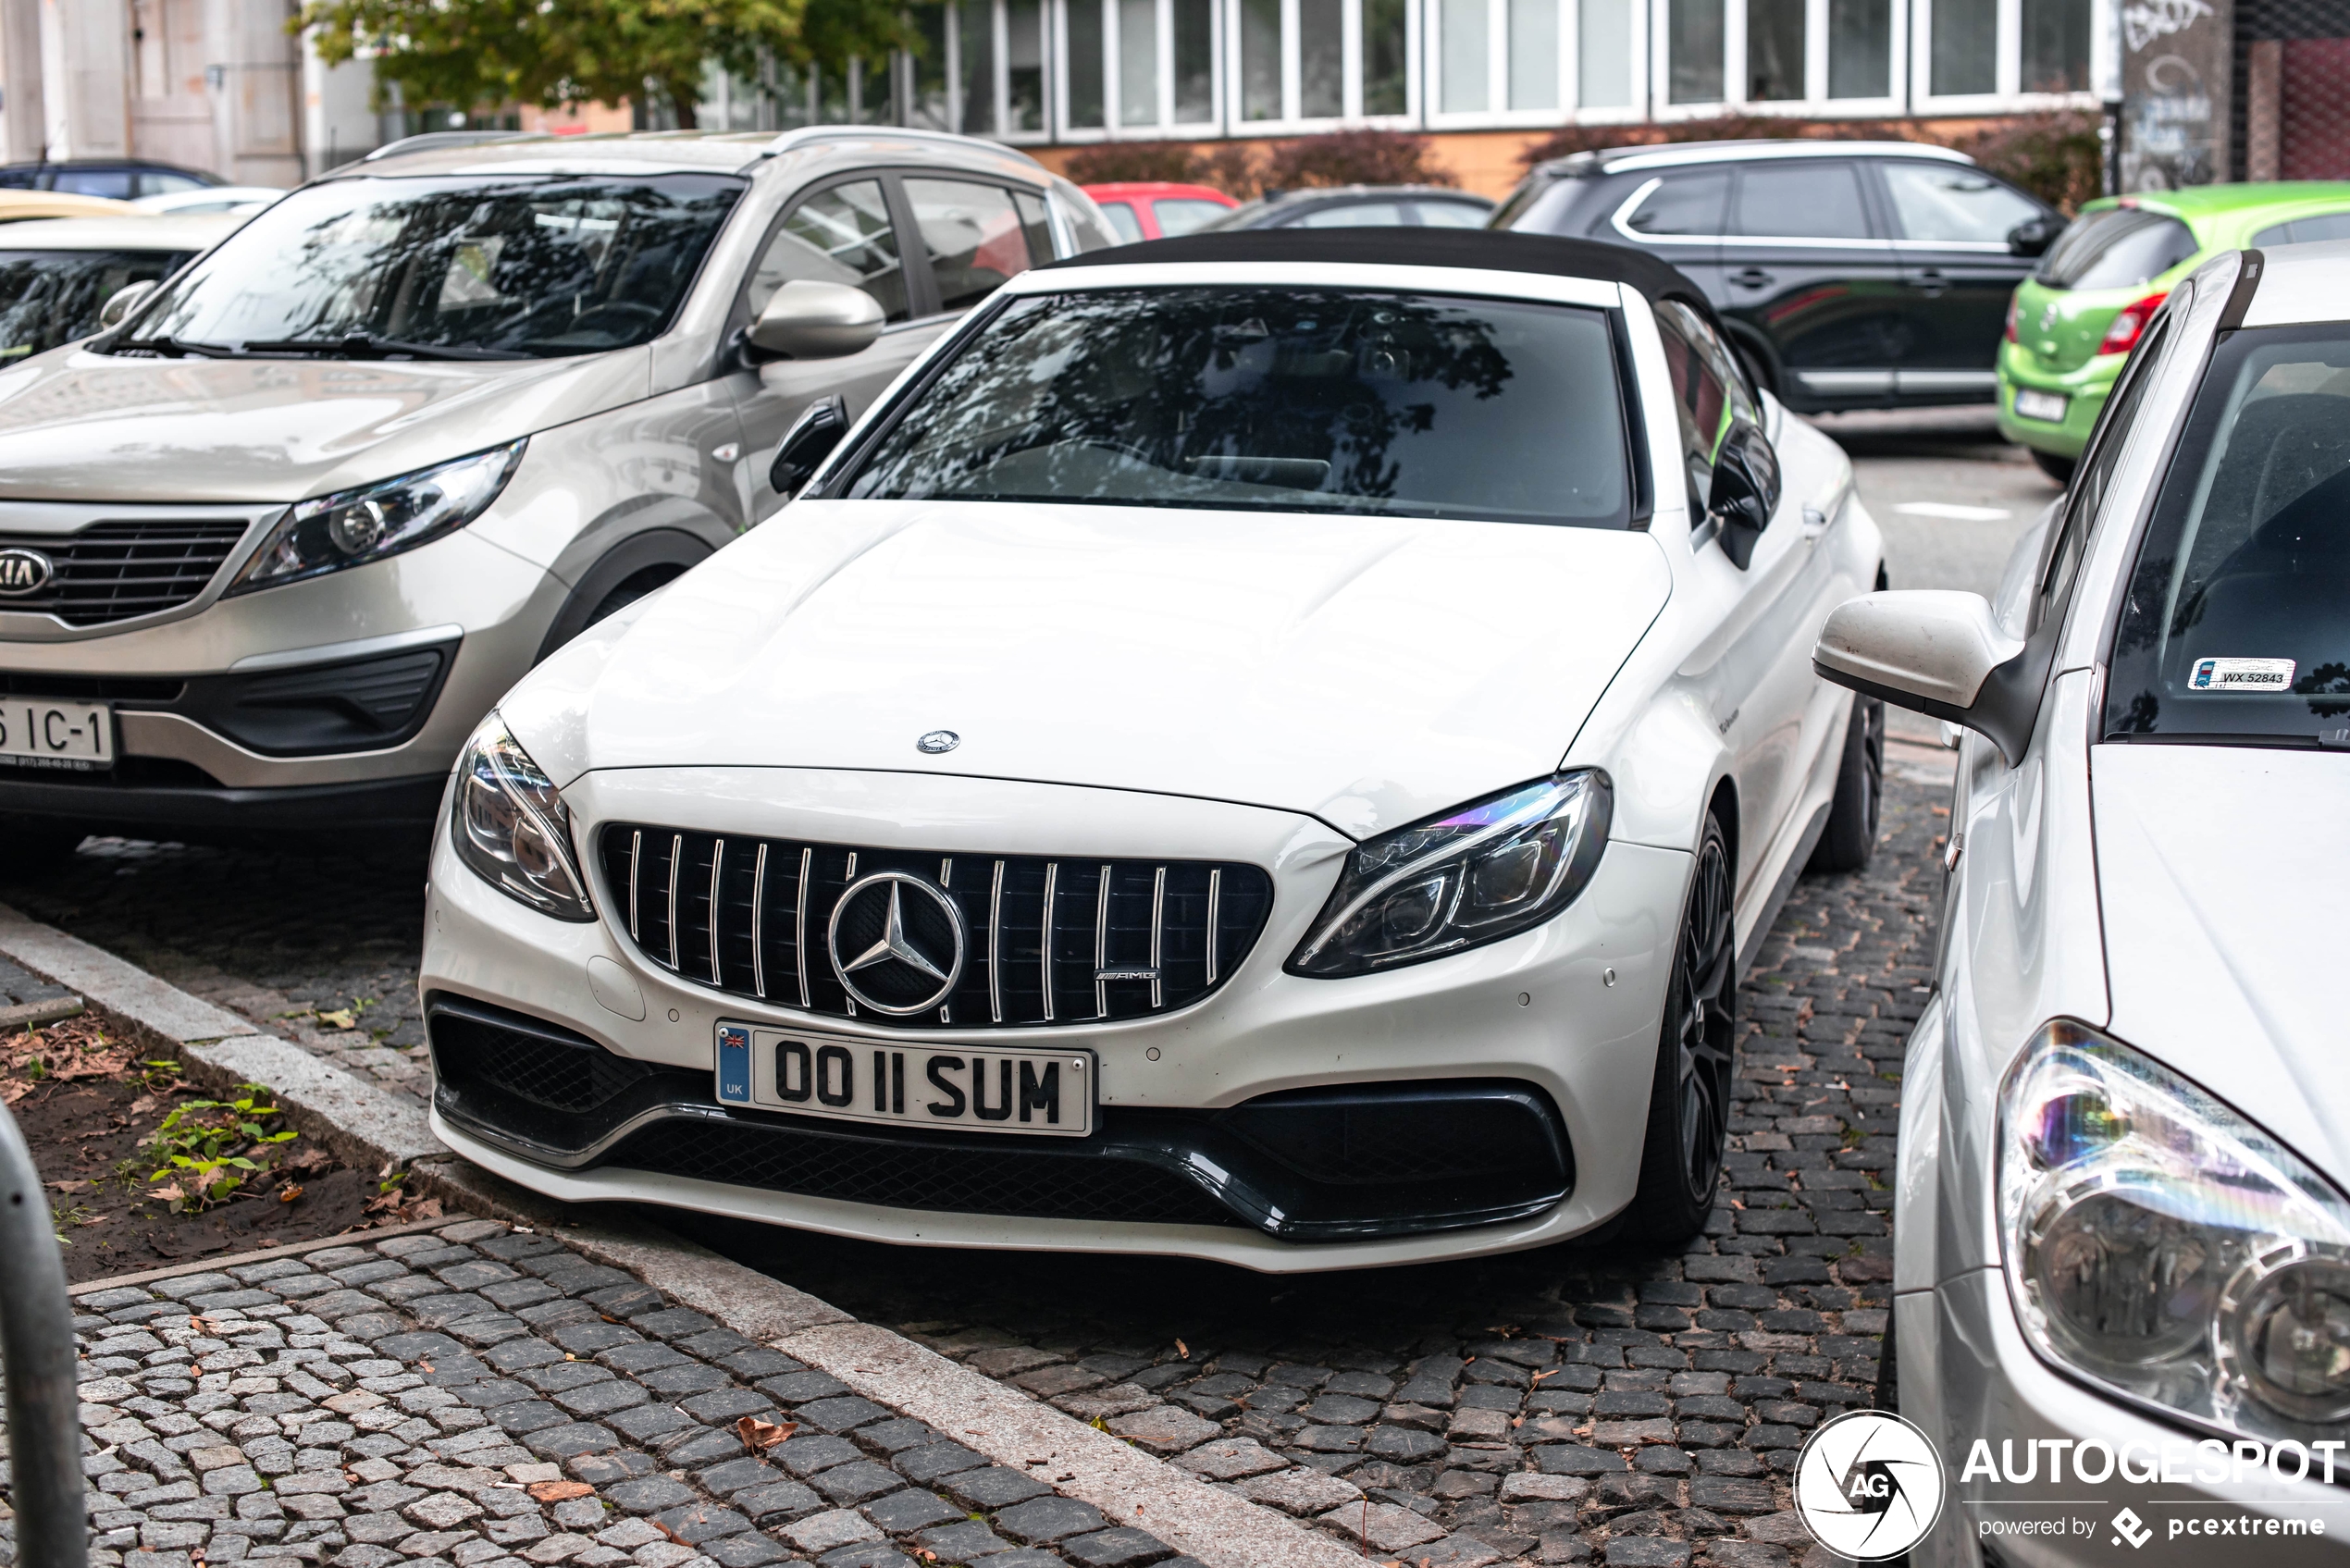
[1366, 670]
[76, 425]
[2225, 886]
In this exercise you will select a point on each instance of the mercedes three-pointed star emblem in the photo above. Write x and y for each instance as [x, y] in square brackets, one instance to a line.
[895, 953]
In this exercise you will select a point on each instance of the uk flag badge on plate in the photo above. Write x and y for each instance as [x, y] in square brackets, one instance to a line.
[733, 1064]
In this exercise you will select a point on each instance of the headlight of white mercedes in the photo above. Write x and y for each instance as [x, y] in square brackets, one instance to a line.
[2161, 1245]
[1479, 873]
[508, 822]
[353, 528]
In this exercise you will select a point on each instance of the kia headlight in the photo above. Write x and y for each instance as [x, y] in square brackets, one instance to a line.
[508, 822]
[354, 527]
[2159, 1244]
[1479, 873]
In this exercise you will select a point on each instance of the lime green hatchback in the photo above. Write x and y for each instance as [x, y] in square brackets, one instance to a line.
[2075, 319]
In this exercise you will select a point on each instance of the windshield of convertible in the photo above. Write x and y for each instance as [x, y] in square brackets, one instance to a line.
[1293, 400]
[2236, 627]
[515, 268]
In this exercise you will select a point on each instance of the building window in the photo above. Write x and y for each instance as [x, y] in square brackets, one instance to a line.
[1694, 48]
[1316, 61]
[1605, 73]
[1083, 35]
[1860, 48]
[1500, 56]
[1979, 48]
[2056, 46]
[1025, 66]
[1966, 48]
[1387, 64]
[1775, 50]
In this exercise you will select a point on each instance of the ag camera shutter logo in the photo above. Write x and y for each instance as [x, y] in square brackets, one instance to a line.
[1869, 1485]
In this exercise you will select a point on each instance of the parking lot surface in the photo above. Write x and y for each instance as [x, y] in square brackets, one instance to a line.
[1593, 1402]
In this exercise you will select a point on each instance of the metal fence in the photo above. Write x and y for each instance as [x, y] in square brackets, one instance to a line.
[2291, 98]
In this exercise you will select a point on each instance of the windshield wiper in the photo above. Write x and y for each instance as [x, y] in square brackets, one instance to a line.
[370, 345]
[175, 347]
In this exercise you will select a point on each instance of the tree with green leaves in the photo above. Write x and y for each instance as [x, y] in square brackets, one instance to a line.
[486, 53]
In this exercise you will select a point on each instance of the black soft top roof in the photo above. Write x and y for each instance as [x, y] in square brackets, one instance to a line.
[1490, 250]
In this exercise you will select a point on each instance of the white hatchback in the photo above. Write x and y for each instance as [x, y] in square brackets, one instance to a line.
[2122, 1276]
[1264, 747]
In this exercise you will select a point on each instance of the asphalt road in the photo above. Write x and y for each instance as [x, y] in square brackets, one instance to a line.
[1950, 494]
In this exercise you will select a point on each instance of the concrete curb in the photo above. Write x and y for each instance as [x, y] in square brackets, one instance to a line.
[365, 1125]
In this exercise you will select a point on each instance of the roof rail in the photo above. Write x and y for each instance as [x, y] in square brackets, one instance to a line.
[809, 135]
[427, 140]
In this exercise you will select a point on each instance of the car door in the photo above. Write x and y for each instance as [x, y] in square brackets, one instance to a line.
[926, 248]
[1756, 672]
[1808, 276]
[1950, 223]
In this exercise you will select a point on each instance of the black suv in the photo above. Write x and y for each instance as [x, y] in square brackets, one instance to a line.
[1850, 273]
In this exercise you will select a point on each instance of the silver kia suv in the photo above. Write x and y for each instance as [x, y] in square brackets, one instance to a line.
[272, 546]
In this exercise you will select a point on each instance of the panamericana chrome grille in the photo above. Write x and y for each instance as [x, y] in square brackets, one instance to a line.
[1047, 941]
[111, 571]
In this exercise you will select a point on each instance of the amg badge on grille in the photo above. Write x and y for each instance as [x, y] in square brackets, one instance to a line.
[938, 742]
[27, 571]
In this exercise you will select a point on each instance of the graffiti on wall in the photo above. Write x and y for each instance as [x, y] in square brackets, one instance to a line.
[2174, 87]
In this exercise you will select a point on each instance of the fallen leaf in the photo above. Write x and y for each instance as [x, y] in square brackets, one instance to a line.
[168, 1192]
[311, 1161]
[429, 1209]
[666, 1531]
[15, 1091]
[1182, 1350]
[760, 1436]
[203, 1324]
[289, 1193]
[340, 1018]
[70, 1186]
[560, 1491]
[143, 1105]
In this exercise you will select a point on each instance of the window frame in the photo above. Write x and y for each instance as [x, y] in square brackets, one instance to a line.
[2007, 95]
[1165, 126]
[1736, 75]
[1350, 115]
[1498, 54]
[921, 288]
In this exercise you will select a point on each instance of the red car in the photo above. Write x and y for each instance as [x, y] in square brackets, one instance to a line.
[1155, 209]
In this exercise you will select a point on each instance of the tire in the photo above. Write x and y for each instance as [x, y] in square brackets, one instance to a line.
[38, 845]
[1689, 1100]
[2055, 467]
[1849, 839]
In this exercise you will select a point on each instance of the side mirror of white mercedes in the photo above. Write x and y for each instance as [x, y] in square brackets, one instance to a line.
[1932, 650]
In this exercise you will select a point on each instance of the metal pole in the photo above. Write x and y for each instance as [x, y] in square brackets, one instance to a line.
[36, 1340]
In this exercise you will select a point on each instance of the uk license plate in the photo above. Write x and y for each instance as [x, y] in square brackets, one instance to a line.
[55, 735]
[2048, 406]
[966, 1088]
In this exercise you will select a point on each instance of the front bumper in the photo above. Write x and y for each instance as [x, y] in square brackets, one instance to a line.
[1969, 1378]
[2085, 389]
[1530, 1022]
[318, 704]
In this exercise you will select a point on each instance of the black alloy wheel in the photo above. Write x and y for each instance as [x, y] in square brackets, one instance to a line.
[1689, 1103]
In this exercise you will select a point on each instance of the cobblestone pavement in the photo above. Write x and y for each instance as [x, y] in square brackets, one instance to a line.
[1576, 1404]
[409, 1401]
[317, 948]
